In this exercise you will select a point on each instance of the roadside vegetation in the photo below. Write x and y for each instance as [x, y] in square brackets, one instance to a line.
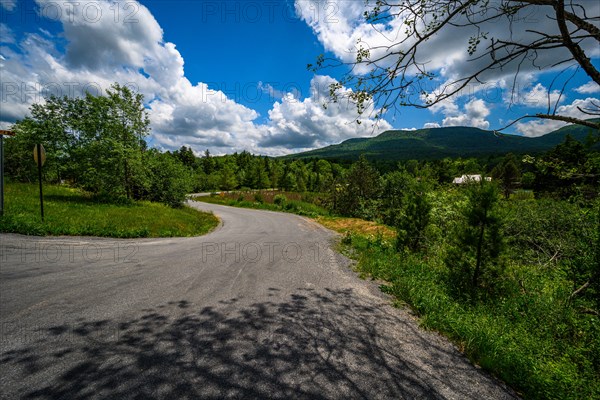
[509, 269]
[75, 212]
[307, 204]
[522, 315]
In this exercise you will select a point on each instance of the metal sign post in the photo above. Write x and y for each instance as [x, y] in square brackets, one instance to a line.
[2, 134]
[39, 155]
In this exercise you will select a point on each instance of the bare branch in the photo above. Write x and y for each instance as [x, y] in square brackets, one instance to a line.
[397, 76]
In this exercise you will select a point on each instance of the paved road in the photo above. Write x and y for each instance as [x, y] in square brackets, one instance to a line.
[260, 308]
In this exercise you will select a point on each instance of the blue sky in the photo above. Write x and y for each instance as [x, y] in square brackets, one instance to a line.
[231, 75]
[233, 46]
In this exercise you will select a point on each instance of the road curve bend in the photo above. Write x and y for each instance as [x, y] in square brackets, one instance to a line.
[261, 308]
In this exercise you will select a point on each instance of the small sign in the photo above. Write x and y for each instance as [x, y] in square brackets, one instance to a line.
[42, 152]
[6, 133]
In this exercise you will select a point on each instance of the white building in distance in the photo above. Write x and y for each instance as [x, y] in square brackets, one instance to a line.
[469, 179]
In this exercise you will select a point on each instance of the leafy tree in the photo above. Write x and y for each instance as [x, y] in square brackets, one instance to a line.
[260, 173]
[95, 142]
[275, 173]
[395, 185]
[397, 73]
[361, 189]
[18, 151]
[169, 179]
[228, 179]
[405, 206]
[119, 129]
[566, 169]
[207, 162]
[324, 175]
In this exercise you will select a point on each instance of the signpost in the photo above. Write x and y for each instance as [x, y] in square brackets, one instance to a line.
[2, 134]
[39, 155]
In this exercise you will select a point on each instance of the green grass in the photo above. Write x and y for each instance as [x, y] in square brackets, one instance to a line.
[531, 340]
[265, 202]
[73, 212]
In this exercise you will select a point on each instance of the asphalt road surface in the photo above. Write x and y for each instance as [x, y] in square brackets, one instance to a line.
[260, 308]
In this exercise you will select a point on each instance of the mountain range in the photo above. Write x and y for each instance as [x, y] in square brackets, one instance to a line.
[436, 143]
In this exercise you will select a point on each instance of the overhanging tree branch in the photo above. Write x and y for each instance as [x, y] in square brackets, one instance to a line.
[397, 75]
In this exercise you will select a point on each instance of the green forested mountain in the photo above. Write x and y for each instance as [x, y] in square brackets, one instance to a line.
[437, 143]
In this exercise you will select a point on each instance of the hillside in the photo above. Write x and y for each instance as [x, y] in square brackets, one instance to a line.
[438, 143]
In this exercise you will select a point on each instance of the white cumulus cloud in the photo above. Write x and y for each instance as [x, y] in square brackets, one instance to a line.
[539, 97]
[540, 127]
[308, 124]
[588, 88]
[341, 28]
[101, 49]
[475, 113]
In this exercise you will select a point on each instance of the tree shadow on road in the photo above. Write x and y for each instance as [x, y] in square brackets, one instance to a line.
[316, 344]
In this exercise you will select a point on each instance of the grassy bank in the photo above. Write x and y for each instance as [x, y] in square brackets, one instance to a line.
[531, 342]
[529, 335]
[306, 204]
[76, 213]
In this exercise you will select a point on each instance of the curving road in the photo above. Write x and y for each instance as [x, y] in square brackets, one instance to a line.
[260, 308]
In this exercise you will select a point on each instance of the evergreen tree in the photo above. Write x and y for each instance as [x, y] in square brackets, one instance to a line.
[474, 259]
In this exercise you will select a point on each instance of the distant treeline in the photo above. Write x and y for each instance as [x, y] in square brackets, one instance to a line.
[98, 143]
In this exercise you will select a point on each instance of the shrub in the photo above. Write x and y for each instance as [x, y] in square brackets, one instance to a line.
[280, 200]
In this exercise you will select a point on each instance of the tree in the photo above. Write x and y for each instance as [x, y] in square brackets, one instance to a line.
[362, 187]
[228, 180]
[508, 174]
[406, 207]
[98, 143]
[395, 185]
[475, 256]
[207, 162]
[169, 180]
[396, 73]
[186, 156]
[127, 120]
[567, 169]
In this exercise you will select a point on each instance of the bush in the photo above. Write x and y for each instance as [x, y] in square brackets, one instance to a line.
[259, 198]
[280, 200]
[168, 181]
